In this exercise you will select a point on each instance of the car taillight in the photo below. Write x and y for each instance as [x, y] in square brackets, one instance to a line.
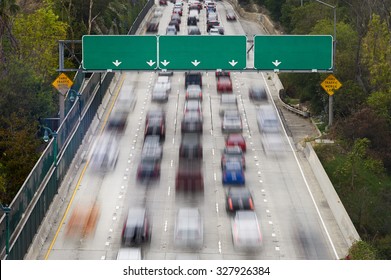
[251, 203]
[230, 204]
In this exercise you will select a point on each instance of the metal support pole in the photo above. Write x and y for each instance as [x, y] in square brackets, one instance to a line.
[55, 144]
[7, 211]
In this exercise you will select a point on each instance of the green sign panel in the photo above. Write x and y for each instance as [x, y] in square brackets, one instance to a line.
[119, 52]
[203, 52]
[293, 52]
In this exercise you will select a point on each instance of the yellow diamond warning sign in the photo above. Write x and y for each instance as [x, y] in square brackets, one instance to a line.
[62, 83]
[330, 84]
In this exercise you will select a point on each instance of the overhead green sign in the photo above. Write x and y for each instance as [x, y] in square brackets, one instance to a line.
[203, 52]
[119, 52]
[293, 52]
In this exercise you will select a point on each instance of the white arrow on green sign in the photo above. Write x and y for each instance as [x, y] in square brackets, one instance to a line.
[119, 52]
[202, 52]
[293, 52]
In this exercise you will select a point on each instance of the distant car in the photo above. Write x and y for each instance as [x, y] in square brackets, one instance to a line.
[175, 23]
[193, 92]
[228, 102]
[153, 25]
[105, 152]
[155, 114]
[137, 228]
[193, 78]
[178, 11]
[246, 233]
[232, 122]
[211, 23]
[257, 93]
[224, 84]
[191, 122]
[231, 153]
[124, 104]
[236, 139]
[230, 15]
[148, 168]
[193, 105]
[194, 13]
[193, 30]
[163, 2]
[220, 73]
[171, 30]
[214, 31]
[191, 20]
[239, 199]
[233, 173]
[155, 126]
[164, 81]
[189, 229]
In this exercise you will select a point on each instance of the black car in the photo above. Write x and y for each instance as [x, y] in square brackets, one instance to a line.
[192, 21]
[239, 198]
[176, 23]
[257, 93]
[193, 78]
[193, 30]
[137, 228]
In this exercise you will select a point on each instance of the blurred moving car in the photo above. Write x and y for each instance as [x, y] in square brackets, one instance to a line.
[153, 25]
[193, 92]
[171, 30]
[129, 254]
[159, 93]
[189, 228]
[163, 2]
[189, 177]
[232, 122]
[233, 173]
[105, 152]
[227, 102]
[224, 84]
[233, 153]
[152, 147]
[137, 227]
[155, 114]
[191, 146]
[193, 78]
[148, 168]
[239, 198]
[267, 119]
[246, 233]
[191, 122]
[192, 20]
[125, 103]
[230, 15]
[236, 139]
[155, 126]
[257, 93]
[193, 30]
[193, 105]
[214, 31]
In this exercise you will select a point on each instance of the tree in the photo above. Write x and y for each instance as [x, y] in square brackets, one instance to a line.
[38, 35]
[8, 8]
[361, 250]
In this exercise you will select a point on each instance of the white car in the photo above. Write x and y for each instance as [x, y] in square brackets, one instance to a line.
[214, 31]
[246, 233]
[164, 82]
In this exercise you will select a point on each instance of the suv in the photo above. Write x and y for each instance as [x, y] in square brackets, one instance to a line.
[193, 78]
[189, 176]
[191, 146]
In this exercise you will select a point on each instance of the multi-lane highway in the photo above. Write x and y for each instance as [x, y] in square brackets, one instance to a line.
[288, 216]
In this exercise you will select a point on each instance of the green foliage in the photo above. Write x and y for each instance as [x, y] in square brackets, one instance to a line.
[361, 250]
[37, 35]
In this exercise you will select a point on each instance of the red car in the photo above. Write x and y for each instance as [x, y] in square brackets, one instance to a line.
[224, 84]
[163, 2]
[236, 139]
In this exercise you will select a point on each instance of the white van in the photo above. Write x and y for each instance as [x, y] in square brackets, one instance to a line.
[267, 119]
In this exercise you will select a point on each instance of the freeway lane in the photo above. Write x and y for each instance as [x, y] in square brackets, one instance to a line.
[289, 221]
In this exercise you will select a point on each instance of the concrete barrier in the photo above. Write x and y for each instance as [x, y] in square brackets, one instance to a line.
[341, 216]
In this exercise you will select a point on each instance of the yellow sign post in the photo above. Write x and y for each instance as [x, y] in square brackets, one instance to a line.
[62, 83]
[330, 84]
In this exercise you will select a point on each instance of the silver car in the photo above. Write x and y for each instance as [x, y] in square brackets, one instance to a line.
[246, 233]
[232, 122]
[189, 229]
